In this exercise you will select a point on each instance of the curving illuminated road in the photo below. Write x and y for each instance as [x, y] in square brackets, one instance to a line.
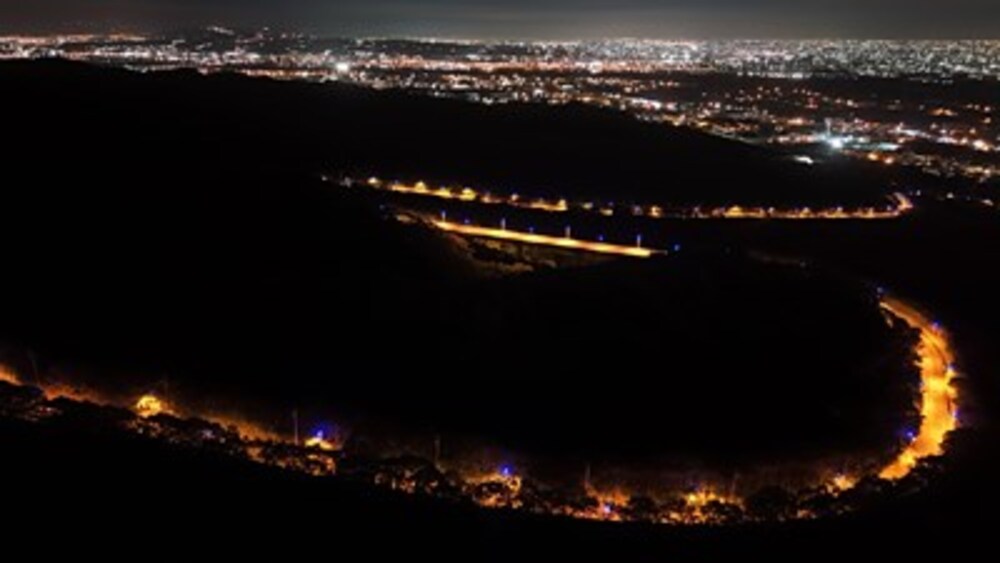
[938, 394]
[898, 206]
[546, 240]
[501, 488]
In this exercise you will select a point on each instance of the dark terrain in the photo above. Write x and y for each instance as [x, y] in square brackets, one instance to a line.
[173, 225]
[193, 242]
[571, 151]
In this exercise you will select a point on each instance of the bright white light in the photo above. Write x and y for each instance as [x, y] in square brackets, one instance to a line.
[836, 143]
[342, 67]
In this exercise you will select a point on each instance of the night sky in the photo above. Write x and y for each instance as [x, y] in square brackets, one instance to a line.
[545, 19]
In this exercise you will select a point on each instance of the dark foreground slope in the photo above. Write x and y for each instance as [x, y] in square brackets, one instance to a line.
[528, 149]
[113, 495]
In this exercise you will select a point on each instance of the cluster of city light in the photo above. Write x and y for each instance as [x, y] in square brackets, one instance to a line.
[766, 115]
[637, 77]
[897, 206]
[776, 59]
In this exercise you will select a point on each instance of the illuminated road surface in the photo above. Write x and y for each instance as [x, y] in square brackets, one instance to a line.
[900, 205]
[546, 240]
[938, 395]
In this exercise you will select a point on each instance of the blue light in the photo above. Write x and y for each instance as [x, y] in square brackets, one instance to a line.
[600, 238]
[677, 248]
[324, 430]
[506, 471]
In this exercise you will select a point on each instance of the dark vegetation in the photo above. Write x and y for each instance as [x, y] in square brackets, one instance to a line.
[82, 481]
[572, 151]
[168, 226]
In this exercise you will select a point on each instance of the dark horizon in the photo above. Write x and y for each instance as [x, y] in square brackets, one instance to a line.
[519, 19]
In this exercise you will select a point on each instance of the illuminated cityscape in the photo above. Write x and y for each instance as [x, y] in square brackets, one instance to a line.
[806, 97]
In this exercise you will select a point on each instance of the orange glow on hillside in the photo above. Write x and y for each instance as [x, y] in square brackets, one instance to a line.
[608, 506]
[73, 392]
[841, 483]
[505, 487]
[247, 429]
[703, 497]
[150, 405]
[697, 502]
[8, 376]
[320, 442]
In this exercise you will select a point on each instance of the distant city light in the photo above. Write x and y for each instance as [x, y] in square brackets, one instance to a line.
[836, 143]
[591, 72]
